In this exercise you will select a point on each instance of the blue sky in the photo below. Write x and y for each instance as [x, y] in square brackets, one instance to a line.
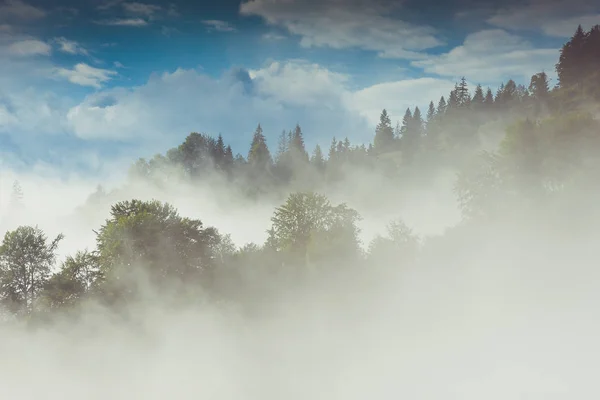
[90, 83]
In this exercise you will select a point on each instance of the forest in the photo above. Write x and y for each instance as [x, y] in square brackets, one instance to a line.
[525, 156]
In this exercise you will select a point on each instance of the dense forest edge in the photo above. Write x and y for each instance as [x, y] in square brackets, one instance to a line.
[524, 153]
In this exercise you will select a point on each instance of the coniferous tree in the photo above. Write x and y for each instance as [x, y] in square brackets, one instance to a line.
[384, 134]
[571, 60]
[489, 99]
[259, 156]
[462, 93]
[442, 106]
[417, 122]
[317, 160]
[430, 113]
[478, 98]
[297, 148]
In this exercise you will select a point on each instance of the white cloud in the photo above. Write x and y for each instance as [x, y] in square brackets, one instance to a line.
[300, 83]
[279, 95]
[134, 22]
[29, 47]
[85, 75]
[32, 111]
[217, 25]
[491, 56]
[369, 25]
[70, 46]
[552, 17]
[141, 9]
[11, 10]
[397, 96]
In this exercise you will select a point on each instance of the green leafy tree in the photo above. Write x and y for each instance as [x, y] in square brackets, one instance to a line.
[77, 278]
[151, 237]
[308, 229]
[26, 260]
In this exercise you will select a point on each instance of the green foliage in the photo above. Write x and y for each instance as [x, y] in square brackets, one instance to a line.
[26, 260]
[152, 236]
[308, 228]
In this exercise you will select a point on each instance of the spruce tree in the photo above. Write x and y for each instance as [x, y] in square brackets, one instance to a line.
[478, 97]
[259, 155]
[441, 108]
[430, 112]
[384, 133]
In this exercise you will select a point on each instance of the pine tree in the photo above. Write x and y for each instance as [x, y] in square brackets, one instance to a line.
[538, 86]
[417, 122]
[572, 59]
[384, 133]
[297, 145]
[259, 155]
[283, 145]
[442, 106]
[478, 97]
[16, 198]
[462, 93]
[489, 99]
[430, 113]
[332, 149]
[346, 145]
[228, 157]
[406, 123]
[453, 102]
[317, 159]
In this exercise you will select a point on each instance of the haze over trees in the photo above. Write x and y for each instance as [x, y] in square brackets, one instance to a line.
[548, 151]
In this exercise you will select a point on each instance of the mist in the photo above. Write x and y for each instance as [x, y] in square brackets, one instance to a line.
[453, 258]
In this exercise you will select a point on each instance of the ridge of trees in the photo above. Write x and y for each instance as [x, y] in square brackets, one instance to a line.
[544, 158]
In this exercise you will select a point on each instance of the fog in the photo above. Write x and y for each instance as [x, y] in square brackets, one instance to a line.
[510, 315]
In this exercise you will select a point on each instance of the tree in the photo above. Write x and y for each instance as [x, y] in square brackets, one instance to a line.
[398, 248]
[478, 98]
[77, 277]
[317, 159]
[308, 228]
[489, 99]
[572, 59]
[26, 259]
[442, 106]
[430, 113]
[16, 198]
[417, 122]
[384, 133]
[297, 148]
[151, 237]
[462, 93]
[259, 156]
[283, 146]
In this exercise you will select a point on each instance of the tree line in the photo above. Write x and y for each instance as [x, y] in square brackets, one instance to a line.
[548, 152]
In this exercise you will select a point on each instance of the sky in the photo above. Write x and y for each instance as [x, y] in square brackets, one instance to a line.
[88, 86]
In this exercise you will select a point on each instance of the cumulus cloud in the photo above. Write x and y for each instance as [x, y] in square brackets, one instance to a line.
[368, 25]
[278, 95]
[397, 96]
[217, 25]
[69, 46]
[491, 56]
[86, 75]
[552, 17]
[30, 110]
[29, 47]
